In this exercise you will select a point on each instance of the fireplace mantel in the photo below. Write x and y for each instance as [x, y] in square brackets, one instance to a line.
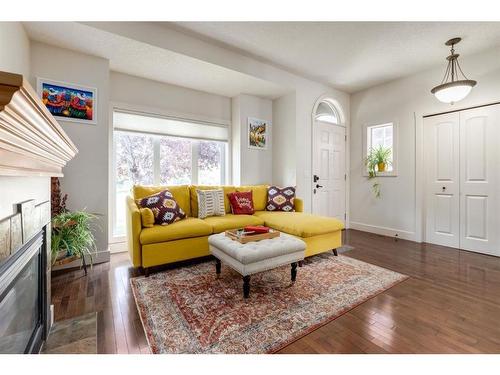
[32, 143]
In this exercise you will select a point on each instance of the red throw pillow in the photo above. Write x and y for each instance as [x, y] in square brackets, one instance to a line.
[241, 203]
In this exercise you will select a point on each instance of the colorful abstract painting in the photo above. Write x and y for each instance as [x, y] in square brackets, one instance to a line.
[69, 102]
[258, 133]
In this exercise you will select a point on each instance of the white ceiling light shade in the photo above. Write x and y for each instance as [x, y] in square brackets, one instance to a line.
[455, 86]
[452, 93]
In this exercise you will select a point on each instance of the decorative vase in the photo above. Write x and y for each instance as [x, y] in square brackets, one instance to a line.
[381, 167]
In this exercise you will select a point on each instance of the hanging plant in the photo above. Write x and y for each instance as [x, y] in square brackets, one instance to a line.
[378, 159]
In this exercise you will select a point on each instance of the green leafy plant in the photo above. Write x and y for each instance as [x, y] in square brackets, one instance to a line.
[72, 233]
[378, 158]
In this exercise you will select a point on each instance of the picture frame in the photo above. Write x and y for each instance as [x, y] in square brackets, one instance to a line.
[258, 133]
[16, 233]
[68, 101]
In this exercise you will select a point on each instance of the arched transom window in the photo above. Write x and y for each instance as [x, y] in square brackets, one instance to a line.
[326, 112]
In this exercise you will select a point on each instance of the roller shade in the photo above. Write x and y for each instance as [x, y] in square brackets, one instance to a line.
[161, 125]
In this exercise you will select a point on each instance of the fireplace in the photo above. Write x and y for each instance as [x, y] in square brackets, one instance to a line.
[33, 148]
[24, 298]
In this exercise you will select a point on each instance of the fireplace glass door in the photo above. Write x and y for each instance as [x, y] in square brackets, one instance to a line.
[20, 309]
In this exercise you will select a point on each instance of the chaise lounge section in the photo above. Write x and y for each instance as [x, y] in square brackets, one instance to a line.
[188, 238]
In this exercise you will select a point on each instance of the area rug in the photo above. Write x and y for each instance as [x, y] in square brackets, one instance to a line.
[190, 310]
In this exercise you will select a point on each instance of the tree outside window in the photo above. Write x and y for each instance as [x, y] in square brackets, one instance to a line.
[151, 159]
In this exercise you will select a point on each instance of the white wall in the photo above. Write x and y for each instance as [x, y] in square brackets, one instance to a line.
[15, 190]
[15, 58]
[235, 154]
[405, 101]
[250, 166]
[14, 48]
[284, 172]
[86, 176]
[178, 100]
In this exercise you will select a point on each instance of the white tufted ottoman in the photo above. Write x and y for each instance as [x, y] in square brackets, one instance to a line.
[254, 257]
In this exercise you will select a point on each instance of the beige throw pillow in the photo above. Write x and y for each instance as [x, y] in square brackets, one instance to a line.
[210, 203]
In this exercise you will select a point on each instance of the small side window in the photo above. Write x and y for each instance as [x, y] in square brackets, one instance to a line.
[380, 148]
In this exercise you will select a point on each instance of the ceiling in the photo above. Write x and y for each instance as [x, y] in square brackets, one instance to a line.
[141, 59]
[350, 56]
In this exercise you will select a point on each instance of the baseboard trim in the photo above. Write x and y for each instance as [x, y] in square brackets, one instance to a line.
[384, 231]
[118, 247]
[102, 256]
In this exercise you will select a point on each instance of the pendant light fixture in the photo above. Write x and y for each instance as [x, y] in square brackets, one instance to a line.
[455, 86]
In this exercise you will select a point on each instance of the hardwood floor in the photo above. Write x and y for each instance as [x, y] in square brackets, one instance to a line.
[450, 303]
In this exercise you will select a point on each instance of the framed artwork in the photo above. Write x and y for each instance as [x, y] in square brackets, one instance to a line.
[258, 133]
[29, 219]
[69, 102]
[16, 233]
[4, 239]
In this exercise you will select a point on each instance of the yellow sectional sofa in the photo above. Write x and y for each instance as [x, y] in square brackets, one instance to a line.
[188, 238]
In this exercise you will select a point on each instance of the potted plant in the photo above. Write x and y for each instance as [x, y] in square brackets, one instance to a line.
[377, 161]
[72, 237]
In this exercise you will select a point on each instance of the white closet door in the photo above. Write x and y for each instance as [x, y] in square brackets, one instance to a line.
[441, 137]
[479, 179]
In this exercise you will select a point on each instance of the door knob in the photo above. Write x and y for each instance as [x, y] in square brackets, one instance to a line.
[444, 188]
[319, 186]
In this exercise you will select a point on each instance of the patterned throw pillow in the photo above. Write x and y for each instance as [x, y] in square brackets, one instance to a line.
[210, 203]
[164, 207]
[241, 203]
[280, 199]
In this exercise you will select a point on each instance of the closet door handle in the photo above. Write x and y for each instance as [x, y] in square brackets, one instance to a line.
[444, 188]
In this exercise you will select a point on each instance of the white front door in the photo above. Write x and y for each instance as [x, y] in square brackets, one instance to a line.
[463, 171]
[329, 170]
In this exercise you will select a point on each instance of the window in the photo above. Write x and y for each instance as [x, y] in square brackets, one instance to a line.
[133, 165]
[210, 163]
[176, 166]
[327, 113]
[382, 135]
[156, 159]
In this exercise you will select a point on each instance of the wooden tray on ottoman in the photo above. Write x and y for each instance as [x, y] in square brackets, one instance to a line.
[233, 234]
